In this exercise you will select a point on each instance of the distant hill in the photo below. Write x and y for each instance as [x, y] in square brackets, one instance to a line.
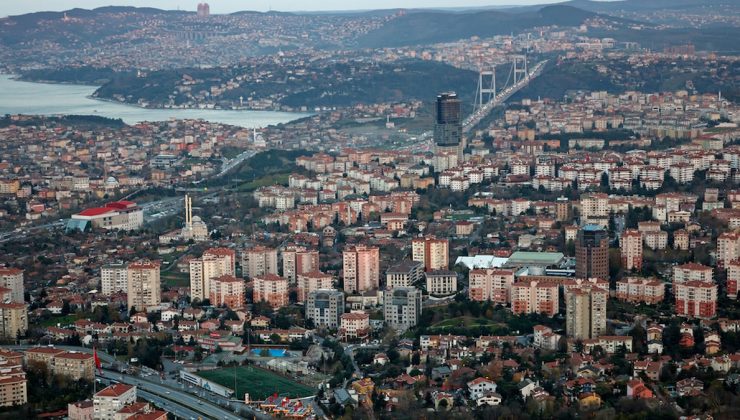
[424, 27]
[331, 84]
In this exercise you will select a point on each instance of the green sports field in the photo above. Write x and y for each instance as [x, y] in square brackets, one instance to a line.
[258, 382]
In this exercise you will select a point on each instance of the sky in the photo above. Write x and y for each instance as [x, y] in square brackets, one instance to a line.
[227, 6]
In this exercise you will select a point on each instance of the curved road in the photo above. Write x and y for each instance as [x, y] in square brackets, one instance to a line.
[179, 403]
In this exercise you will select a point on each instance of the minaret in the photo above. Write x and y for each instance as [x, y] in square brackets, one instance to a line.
[188, 212]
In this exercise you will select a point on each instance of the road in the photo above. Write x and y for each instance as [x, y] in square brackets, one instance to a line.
[176, 397]
[472, 120]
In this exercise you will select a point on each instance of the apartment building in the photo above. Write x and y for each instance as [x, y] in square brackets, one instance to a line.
[692, 272]
[733, 277]
[272, 289]
[113, 278]
[74, 365]
[728, 248]
[314, 280]
[585, 311]
[259, 260]
[144, 290]
[490, 284]
[532, 296]
[354, 325]
[402, 307]
[650, 291]
[12, 278]
[107, 402]
[298, 260]
[404, 274]
[432, 252]
[361, 268]
[13, 384]
[215, 262]
[13, 320]
[228, 290]
[630, 245]
[441, 282]
[696, 299]
[325, 307]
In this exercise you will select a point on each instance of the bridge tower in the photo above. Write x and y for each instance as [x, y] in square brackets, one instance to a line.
[520, 68]
[486, 87]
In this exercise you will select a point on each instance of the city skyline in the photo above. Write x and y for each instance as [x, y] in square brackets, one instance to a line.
[262, 5]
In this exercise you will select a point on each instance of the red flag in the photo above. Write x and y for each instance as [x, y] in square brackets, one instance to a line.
[97, 360]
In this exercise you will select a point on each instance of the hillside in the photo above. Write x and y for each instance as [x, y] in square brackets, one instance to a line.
[424, 27]
[326, 84]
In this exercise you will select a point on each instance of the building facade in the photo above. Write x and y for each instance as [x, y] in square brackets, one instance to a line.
[272, 289]
[144, 290]
[402, 307]
[259, 260]
[432, 252]
[228, 290]
[585, 311]
[113, 278]
[361, 268]
[592, 252]
[532, 296]
[325, 307]
[490, 284]
[631, 249]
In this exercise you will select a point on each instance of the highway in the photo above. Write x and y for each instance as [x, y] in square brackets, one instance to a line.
[473, 119]
[188, 403]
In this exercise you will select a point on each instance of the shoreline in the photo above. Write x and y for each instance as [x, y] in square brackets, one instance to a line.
[19, 78]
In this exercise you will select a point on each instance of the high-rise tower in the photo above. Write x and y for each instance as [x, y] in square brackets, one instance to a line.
[448, 124]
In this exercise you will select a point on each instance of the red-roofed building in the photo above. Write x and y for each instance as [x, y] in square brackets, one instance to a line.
[124, 215]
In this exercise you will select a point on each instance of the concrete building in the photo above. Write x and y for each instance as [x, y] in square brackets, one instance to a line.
[728, 248]
[441, 282]
[314, 280]
[592, 252]
[123, 215]
[325, 307]
[259, 260]
[490, 284]
[361, 268]
[404, 274]
[13, 319]
[631, 248]
[585, 311]
[81, 410]
[692, 272]
[641, 290]
[144, 290]
[448, 136]
[402, 307]
[195, 228]
[432, 252]
[298, 260]
[228, 290]
[354, 325]
[12, 278]
[74, 365]
[13, 384]
[113, 278]
[272, 289]
[594, 208]
[532, 296]
[696, 299]
[215, 262]
[107, 402]
[733, 277]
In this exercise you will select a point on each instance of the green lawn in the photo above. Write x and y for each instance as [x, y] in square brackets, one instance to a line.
[258, 382]
[175, 278]
[59, 319]
[267, 180]
[465, 321]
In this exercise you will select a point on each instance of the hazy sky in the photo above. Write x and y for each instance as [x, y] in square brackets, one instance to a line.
[10, 7]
